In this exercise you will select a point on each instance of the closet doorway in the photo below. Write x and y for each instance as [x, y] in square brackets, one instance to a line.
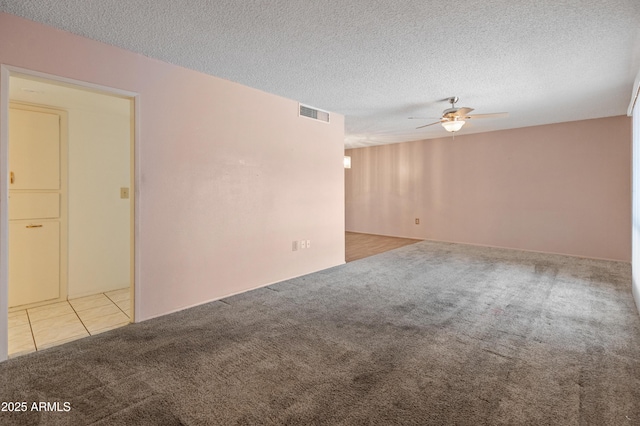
[70, 234]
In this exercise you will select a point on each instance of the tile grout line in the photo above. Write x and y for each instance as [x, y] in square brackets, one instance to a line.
[33, 337]
[118, 306]
[80, 319]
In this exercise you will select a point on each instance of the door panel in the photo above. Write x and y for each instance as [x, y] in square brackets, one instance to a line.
[34, 205]
[34, 262]
[34, 150]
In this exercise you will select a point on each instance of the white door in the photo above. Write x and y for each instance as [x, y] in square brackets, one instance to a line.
[36, 192]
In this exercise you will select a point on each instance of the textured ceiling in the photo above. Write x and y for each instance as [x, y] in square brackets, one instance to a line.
[381, 61]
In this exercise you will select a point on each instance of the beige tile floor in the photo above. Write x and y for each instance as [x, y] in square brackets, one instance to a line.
[51, 325]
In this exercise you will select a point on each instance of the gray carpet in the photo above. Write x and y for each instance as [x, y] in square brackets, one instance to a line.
[428, 334]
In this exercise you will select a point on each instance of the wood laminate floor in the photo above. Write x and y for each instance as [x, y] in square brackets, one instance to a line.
[359, 246]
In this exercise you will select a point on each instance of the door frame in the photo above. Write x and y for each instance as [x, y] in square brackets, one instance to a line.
[6, 71]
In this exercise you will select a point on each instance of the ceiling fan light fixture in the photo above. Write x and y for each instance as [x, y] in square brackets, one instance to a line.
[453, 126]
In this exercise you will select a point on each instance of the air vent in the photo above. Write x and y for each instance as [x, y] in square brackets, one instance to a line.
[316, 114]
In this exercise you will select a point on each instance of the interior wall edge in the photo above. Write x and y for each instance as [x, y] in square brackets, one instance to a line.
[635, 197]
[216, 299]
[4, 213]
[532, 251]
[634, 95]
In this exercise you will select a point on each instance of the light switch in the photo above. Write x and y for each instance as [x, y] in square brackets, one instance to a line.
[124, 192]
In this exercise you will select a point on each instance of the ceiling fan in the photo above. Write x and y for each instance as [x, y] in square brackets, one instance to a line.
[454, 118]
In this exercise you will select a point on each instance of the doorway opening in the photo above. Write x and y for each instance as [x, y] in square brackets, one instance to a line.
[67, 236]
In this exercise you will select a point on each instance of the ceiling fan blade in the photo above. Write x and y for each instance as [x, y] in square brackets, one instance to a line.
[423, 118]
[427, 125]
[463, 111]
[492, 115]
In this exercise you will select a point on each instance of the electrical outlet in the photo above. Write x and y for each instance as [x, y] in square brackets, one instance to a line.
[124, 192]
[303, 244]
[308, 243]
[294, 246]
[417, 221]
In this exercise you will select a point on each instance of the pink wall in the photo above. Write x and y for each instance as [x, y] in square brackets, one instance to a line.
[559, 188]
[230, 175]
